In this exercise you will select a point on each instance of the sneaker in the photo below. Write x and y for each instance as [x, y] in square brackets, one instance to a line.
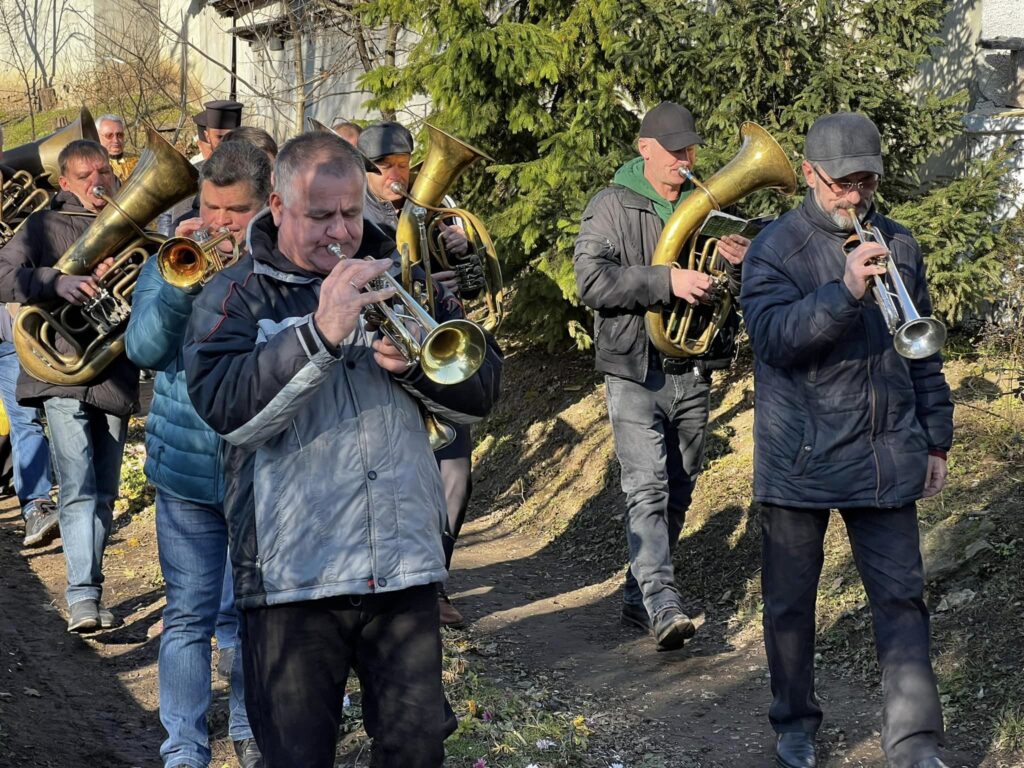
[41, 523]
[635, 615]
[84, 616]
[450, 616]
[225, 659]
[672, 628]
[248, 753]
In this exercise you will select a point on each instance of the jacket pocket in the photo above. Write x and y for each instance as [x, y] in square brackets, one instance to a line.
[617, 334]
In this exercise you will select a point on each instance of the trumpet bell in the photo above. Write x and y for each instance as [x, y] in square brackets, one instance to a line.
[453, 352]
[920, 338]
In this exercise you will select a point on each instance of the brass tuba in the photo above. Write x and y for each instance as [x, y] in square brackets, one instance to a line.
[682, 330]
[19, 199]
[70, 344]
[446, 159]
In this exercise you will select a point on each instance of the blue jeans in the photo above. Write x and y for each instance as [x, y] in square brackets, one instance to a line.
[227, 618]
[30, 453]
[193, 543]
[88, 445]
[659, 439]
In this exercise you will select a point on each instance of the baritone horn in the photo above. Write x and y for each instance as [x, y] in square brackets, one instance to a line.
[682, 330]
[187, 262]
[914, 337]
[70, 344]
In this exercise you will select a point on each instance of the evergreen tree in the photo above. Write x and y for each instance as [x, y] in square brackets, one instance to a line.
[552, 90]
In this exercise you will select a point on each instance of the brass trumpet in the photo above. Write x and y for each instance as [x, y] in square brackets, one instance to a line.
[914, 337]
[449, 353]
[187, 262]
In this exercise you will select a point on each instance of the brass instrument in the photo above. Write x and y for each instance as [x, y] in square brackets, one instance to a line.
[70, 344]
[39, 158]
[682, 330]
[187, 262]
[446, 159]
[914, 336]
[19, 199]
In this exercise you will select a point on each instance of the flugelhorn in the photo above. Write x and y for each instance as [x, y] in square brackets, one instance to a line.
[187, 262]
[914, 337]
[449, 352]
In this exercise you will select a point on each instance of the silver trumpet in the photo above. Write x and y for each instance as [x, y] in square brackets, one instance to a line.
[914, 336]
[449, 353]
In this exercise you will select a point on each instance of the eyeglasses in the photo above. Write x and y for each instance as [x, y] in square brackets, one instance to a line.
[846, 187]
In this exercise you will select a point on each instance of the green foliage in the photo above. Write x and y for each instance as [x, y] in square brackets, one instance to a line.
[966, 251]
[552, 88]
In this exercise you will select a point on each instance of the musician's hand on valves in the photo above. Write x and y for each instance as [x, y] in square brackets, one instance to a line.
[690, 285]
[343, 296]
[862, 263]
[733, 248]
[76, 289]
[448, 278]
[454, 239]
[188, 227]
[100, 269]
[935, 478]
[389, 357]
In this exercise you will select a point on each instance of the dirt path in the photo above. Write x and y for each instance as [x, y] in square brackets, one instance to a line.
[706, 705]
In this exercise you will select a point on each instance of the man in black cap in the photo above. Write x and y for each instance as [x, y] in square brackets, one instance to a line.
[842, 421]
[222, 117]
[658, 405]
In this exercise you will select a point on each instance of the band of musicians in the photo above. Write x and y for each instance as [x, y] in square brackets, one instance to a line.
[321, 326]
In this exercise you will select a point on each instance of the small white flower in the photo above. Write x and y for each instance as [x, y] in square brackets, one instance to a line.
[545, 743]
[346, 702]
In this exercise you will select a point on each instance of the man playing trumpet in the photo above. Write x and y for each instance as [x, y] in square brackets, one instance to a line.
[333, 500]
[842, 421]
[183, 462]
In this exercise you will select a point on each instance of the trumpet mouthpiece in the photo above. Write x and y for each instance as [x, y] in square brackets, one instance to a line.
[98, 191]
[335, 251]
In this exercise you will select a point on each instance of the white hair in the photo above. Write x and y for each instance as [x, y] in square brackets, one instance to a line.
[108, 119]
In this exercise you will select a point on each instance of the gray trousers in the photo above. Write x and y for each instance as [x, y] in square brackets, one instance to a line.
[659, 430]
[887, 553]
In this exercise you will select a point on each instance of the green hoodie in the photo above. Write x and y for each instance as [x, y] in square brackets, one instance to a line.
[631, 176]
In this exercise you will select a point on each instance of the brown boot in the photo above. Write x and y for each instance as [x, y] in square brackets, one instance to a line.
[450, 616]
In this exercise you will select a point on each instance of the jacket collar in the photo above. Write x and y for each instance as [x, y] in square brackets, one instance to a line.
[261, 239]
[820, 220]
[68, 202]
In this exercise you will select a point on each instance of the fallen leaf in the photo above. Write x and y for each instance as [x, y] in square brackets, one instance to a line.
[32, 692]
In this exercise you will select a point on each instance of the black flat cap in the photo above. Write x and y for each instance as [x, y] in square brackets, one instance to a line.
[844, 143]
[672, 125]
[383, 139]
[223, 114]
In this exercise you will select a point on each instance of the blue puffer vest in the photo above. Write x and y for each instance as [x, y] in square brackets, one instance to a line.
[182, 453]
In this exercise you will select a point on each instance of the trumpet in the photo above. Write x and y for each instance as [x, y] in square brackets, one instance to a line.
[914, 336]
[187, 262]
[449, 353]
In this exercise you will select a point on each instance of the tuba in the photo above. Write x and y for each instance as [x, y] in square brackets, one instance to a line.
[446, 159]
[682, 330]
[36, 172]
[69, 344]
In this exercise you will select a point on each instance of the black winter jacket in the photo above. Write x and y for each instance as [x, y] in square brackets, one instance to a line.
[840, 419]
[614, 277]
[27, 276]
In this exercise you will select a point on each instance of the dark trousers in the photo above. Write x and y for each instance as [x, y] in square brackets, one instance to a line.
[659, 428]
[297, 658]
[887, 553]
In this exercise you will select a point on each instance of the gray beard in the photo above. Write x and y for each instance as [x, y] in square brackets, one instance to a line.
[845, 223]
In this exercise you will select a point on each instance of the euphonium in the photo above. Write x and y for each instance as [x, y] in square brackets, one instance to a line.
[678, 330]
[914, 336]
[446, 159]
[70, 344]
[186, 262]
[19, 199]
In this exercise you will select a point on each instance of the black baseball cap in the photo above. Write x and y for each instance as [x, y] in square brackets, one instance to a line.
[383, 139]
[672, 125]
[844, 143]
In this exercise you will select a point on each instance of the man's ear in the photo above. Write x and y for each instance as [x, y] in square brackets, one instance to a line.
[644, 147]
[63, 183]
[276, 205]
[809, 176]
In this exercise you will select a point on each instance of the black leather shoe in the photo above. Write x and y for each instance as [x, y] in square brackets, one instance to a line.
[248, 753]
[929, 762]
[796, 750]
[672, 628]
[635, 615]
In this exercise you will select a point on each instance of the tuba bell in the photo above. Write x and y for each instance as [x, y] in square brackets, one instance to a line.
[447, 157]
[682, 330]
[70, 344]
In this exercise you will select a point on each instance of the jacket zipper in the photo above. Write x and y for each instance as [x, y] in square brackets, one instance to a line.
[874, 414]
